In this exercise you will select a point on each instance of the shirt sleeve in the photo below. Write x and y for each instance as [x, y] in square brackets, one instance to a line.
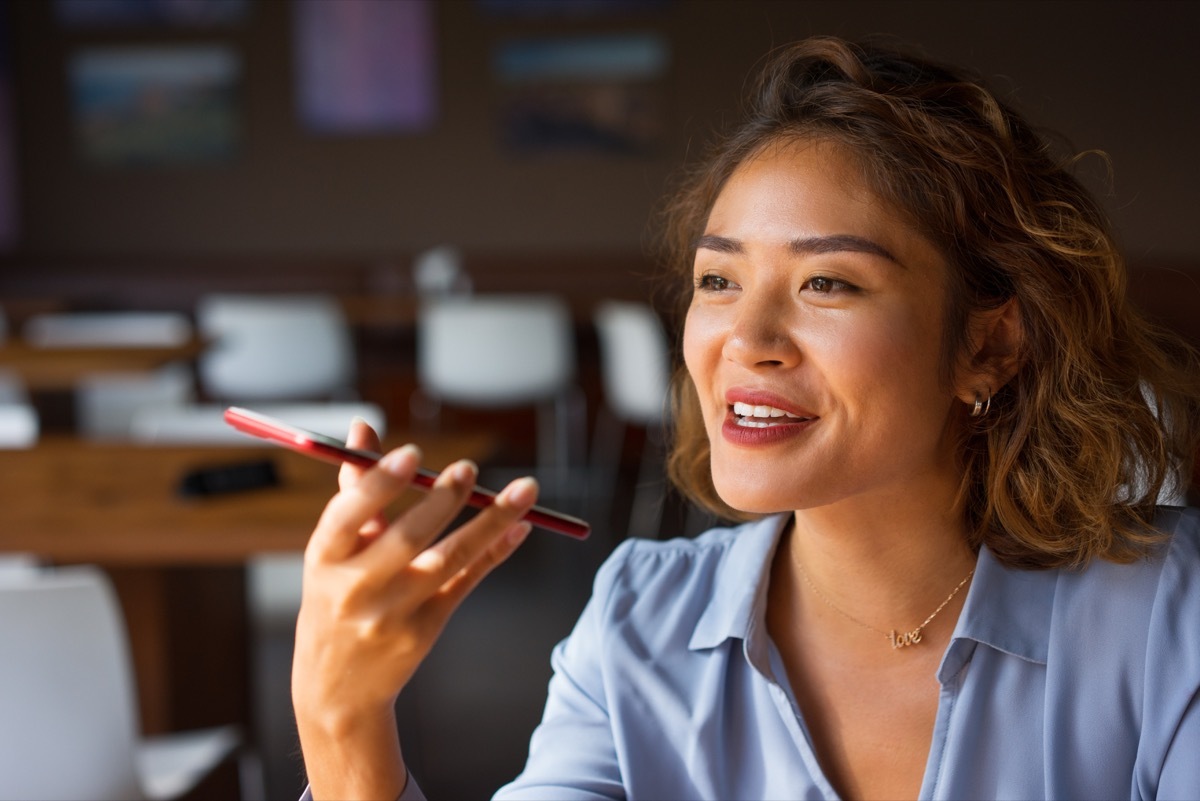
[1172, 711]
[411, 792]
[572, 754]
[1180, 777]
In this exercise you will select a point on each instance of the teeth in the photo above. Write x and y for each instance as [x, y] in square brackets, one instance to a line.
[747, 410]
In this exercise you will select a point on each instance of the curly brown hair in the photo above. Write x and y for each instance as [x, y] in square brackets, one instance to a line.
[1102, 413]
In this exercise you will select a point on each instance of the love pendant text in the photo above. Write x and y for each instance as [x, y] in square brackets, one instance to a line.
[906, 639]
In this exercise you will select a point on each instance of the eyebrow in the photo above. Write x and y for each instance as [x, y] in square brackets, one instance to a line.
[813, 245]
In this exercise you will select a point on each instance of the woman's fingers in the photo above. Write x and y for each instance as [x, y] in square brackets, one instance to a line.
[336, 536]
[444, 574]
[405, 546]
[442, 561]
[420, 525]
[460, 586]
[361, 438]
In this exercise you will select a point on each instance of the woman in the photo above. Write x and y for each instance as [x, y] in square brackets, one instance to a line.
[910, 366]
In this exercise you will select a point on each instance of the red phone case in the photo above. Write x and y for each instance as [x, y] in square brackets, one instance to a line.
[328, 449]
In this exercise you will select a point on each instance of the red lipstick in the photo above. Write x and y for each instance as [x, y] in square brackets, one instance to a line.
[744, 427]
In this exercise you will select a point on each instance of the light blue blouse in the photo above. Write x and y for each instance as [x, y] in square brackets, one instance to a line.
[1056, 684]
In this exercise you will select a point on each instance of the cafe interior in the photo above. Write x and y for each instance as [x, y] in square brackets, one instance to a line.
[439, 216]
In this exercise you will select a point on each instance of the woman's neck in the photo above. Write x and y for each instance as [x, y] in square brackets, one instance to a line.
[886, 564]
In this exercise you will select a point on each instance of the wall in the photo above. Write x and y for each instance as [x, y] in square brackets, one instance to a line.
[1120, 76]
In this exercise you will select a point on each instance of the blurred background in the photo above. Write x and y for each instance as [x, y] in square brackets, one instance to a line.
[439, 216]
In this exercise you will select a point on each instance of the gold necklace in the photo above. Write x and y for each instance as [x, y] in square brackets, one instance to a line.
[898, 640]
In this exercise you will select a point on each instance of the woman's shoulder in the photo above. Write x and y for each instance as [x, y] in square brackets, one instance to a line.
[1153, 603]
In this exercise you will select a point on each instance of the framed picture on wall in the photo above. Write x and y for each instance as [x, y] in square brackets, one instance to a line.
[155, 106]
[365, 66]
[583, 93]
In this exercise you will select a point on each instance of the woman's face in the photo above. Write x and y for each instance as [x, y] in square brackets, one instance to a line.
[814, 339]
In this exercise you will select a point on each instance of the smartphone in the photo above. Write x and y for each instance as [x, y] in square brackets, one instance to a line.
[331, 450]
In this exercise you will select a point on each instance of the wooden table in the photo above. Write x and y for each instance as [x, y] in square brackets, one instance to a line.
[61, 368]
[177, 563]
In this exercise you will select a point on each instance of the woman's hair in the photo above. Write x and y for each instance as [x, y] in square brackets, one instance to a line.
[1101, 414]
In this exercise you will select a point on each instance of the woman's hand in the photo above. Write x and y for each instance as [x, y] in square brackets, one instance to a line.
[377, 594]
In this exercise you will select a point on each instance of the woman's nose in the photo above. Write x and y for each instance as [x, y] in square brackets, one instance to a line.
[760, 335]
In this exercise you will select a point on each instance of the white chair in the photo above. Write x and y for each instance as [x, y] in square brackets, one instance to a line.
[635, 360]
[275, 347]
[635, 369]
[106, 404]
[504, 352]
[68, 709]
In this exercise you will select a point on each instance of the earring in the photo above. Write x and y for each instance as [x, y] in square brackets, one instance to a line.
[981, 407]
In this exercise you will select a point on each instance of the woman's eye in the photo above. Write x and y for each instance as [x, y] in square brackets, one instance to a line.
[713, 283]
[822, 285]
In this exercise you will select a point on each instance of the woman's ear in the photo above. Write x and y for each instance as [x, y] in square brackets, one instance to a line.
[995, 340]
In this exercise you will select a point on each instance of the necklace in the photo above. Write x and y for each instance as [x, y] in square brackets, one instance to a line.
[898, 640]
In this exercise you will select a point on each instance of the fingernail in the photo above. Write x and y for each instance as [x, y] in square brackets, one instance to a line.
[401, 460]
[354, 425]
[521, 492]
[464, 471]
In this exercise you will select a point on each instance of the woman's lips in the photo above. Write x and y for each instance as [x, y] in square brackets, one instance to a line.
[762, 424]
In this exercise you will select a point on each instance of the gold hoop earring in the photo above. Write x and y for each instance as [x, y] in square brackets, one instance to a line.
[981, 407]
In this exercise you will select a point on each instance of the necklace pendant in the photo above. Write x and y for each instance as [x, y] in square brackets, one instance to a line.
[905, 639]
